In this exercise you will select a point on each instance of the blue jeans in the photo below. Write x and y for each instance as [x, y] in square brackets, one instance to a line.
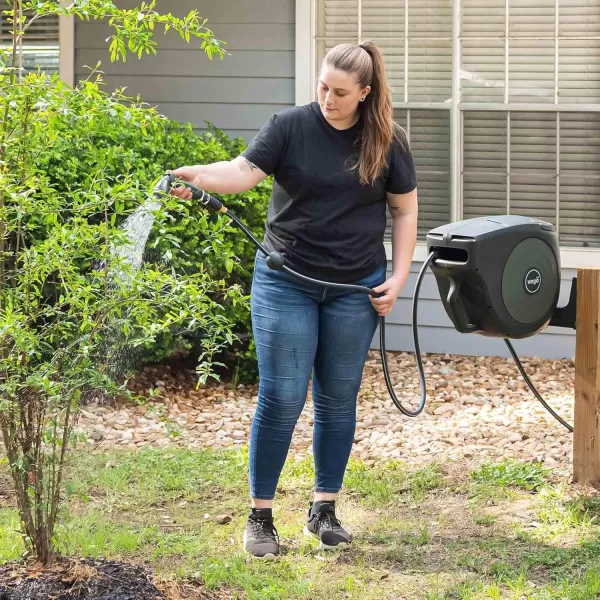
[302, 329]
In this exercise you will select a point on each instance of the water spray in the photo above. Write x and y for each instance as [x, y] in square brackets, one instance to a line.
[497, 277]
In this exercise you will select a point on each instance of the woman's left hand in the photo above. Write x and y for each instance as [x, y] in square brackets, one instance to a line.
[391, 290]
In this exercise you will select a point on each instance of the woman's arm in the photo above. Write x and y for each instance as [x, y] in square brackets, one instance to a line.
[404, 211]
[224, 177]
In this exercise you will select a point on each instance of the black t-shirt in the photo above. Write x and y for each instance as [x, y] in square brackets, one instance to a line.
[326, 223]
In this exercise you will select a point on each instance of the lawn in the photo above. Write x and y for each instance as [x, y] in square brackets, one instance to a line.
[448, 531]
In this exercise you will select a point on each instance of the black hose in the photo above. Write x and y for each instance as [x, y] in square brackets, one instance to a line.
[247, 232]
[277, 263]
[386, 372]
[366, 290]
[533, 388]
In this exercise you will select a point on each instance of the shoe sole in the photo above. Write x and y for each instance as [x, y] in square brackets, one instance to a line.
[267, 556]
[322, 546]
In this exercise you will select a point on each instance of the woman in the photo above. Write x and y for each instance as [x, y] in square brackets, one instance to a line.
[336, 163]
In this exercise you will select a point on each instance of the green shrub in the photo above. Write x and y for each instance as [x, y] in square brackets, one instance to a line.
[127, 137]
[71, 304]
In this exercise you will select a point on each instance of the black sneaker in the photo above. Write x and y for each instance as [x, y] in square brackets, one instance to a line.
[323, 523]
[261, 539]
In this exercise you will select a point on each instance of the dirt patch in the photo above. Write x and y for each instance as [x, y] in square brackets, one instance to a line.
[186, 591]
[522, 510]
[77, 580]
[94, 579]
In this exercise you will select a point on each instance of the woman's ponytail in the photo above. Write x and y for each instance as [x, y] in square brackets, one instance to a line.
[379, 130]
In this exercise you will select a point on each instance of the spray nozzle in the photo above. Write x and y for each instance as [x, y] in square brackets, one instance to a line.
[208, 201]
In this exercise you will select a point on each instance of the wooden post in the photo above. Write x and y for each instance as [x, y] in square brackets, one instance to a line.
[586, 427]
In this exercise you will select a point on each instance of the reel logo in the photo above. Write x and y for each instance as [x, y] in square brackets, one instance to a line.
[533, 281]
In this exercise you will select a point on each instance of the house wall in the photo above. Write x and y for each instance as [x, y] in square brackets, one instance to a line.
[237, 94]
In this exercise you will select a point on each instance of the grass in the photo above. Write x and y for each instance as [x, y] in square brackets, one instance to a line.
[502, 530]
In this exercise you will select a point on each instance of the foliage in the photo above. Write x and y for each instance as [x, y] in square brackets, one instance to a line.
[122, 136]
[527, 476]
[71, 304]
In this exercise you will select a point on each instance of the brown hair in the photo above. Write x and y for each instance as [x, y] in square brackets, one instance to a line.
[379, 129]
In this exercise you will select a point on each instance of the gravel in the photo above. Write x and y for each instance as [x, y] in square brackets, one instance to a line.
[478, 408]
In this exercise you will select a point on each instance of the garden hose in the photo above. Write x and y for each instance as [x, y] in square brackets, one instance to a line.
[276, 261]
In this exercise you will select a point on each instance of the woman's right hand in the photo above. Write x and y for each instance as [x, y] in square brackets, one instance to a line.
[190, 174]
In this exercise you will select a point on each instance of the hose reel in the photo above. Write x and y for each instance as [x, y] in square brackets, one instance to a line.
[500, 277]
[497, 276]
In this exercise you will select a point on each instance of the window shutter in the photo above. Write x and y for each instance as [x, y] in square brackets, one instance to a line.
[339, 19]
[579, 179]
[430, 50]
[382, 18]
[482, 61]
[531, 70]
[533, 165]
[484, 164]
[578, 18]
[579, 71]
[39, 33]
[531, 17]
[430, 144]
[393, 57]
[483, 18]
[482, 73]
[579, 82]
[400, 116]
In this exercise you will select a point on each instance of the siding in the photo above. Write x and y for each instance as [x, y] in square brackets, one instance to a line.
[237, 94]
[437, 334]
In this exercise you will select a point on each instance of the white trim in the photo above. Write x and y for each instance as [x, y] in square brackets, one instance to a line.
[506, 49]
[508, 161]
[420, 105]
[406, 58]
[557, 202]
[574, 258]
[570, 258]
[304, 44]
[514, 106]
[66, 49]
[455, 129]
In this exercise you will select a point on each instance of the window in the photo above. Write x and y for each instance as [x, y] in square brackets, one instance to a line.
[524, 122]
[40, 43]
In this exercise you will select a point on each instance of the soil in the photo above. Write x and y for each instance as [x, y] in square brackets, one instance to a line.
[89, 579]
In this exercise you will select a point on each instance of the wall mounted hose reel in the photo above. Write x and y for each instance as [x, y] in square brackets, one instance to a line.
[500, 277]
[497, 277]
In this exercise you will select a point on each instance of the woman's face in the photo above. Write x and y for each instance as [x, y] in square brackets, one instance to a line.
[339, 93]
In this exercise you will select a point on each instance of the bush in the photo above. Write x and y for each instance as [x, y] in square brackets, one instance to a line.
[128, 138]
[70, 301]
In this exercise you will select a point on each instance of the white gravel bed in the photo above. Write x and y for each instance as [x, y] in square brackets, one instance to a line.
[478, 408]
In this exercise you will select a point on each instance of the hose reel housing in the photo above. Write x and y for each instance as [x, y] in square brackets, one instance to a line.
[498, 276]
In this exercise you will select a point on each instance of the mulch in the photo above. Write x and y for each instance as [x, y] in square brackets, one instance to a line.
[91, 579]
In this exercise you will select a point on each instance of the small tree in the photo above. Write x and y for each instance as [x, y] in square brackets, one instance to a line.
[64, 286]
